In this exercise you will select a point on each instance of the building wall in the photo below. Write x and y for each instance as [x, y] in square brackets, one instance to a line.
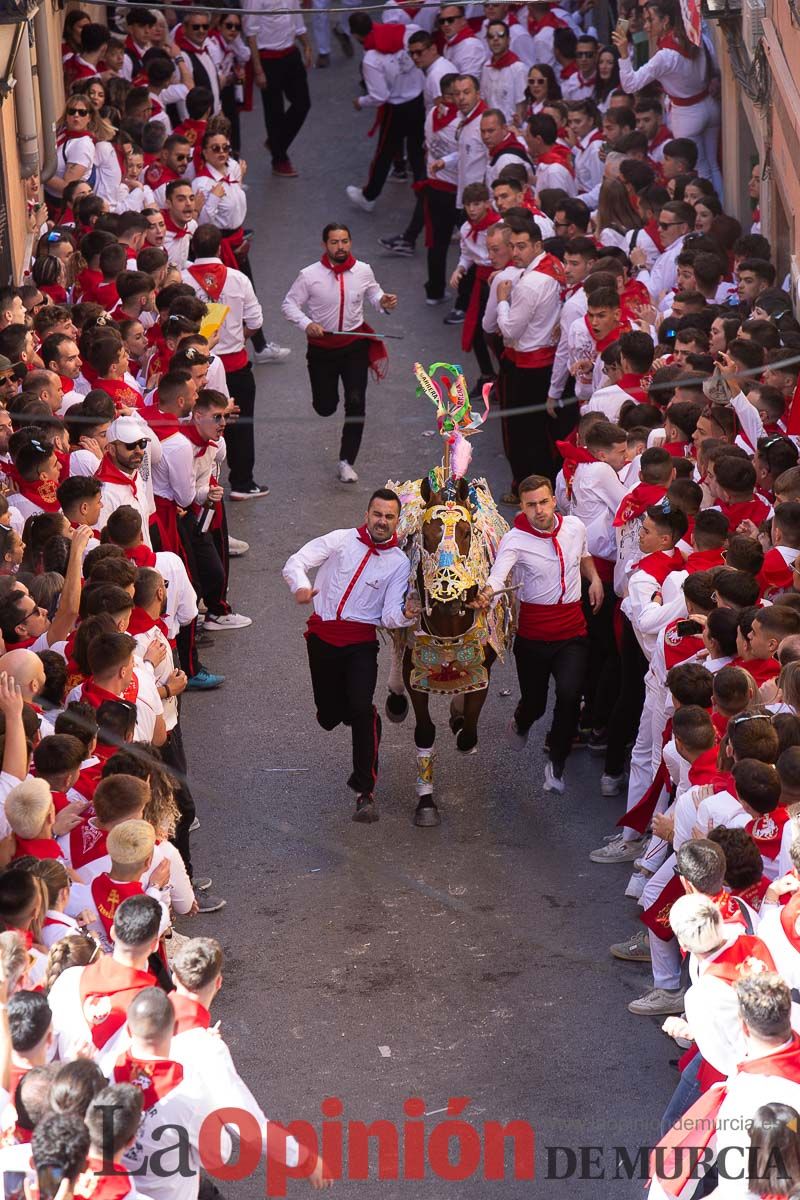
[782, 45]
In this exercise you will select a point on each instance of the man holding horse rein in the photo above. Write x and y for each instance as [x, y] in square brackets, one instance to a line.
[361, 582]
[549, 555]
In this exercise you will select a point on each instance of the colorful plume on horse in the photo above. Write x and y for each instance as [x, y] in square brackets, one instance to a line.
[445, 386]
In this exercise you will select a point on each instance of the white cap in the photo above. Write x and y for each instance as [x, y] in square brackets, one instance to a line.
[128, 430]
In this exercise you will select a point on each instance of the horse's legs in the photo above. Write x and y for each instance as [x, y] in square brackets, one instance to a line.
[424, 736]
[467, 735]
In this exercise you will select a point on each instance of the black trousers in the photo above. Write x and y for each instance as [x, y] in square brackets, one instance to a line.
[602, 674]
[287, 85]
[624, 721]
[347, 365]
[440, 210]
[240, 434]
[530, 433]
[206, 568]
[343, 679]
[227, 99]
[173, 755]
[399, 123]
[536, 662]
[502, 391]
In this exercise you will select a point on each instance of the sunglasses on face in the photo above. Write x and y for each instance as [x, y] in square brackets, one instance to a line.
[231, 25]
[198, 27]
[669, 224]
[224, 147]
[140, 445]
[584, 53]
[447, 20]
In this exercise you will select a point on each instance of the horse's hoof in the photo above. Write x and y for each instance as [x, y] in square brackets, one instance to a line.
[466, 745]
[456, 724]
[427, 815]
[396, 707]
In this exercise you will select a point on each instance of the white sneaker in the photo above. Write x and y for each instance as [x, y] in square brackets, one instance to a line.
[616, 851]
[345, 473]
[236, 547]
[658, 1002]
[516, 740]
[228, 621]
[552, 782]
[636, 885]
[272, 353]
[357, 197]
[611, 785]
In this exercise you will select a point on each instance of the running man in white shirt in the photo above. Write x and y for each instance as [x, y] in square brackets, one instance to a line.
[333, 292]
[360, 584]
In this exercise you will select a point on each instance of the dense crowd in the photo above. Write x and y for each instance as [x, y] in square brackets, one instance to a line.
[635, 339]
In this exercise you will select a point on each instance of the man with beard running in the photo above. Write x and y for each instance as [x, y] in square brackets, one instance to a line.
[361, 581]
[333, 291]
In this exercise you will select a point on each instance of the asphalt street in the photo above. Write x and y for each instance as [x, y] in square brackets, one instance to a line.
[377, 963]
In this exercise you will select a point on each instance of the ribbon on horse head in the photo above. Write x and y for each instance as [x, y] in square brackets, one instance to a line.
[446, 388]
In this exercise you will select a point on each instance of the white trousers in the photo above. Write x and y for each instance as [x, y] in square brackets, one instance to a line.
[701, 123]
[666, 956]
[321, 22]
[646, 753]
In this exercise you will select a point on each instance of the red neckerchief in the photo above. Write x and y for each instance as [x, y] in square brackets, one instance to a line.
[164, 425]
[108, 894]
[375, 547]
[489, 219]
[552, 267]
[461, 36]
[670, 42]
[386, 39]
[41, 492]
[785, 1063]
[88, 280]
[37, 847]
[775, 574]
[194, 132]
[180, 231]
[506, 59]
[182, 40]
[189, 1013]
[95, 695]
[522, 523]
[69, 135]
[573, 456]
[664, 135]
[477, 112]
[632, 384]
[190, 431]
[206, 173]
[142, 555]
[123, 395]
[55, 291]
[568, 71]
[676, 449]
[67, 385]
[704, 560]
[762, 669]
[211, 277]
[158, 173]
[509, 144]
[142, 622]
[790, 914]
[652, 231]
[635, 503]
[109, 472]
[633, 296]
[607, 340]
[559, 154]
[443, 114]
[548, 21]
[106, 989]
[746, 956]
[100, 1182]
[155, 1078]
[766, 831]
[660, 565]
[704, 769]
[754, 894]
[736, 511]
[86, 843]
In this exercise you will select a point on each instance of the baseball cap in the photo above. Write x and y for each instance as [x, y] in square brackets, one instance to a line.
[128, 429]
[6, 363]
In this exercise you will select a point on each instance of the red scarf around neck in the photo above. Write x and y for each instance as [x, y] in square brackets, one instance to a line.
[142, 622]
[670, 42]
[190, 431]
[109, 472]
[164, 425]
[476, 114]
[41, 492]
[661, 564]
[349, 262]
[562, 155]
[489, 218]
[573, 456]
[652, 231]
[187, 46]
[506, 59]
[522, 523]
[180, 231]
[386, 39]
[142, 555]
[375, 547]
[189, 1013]
[602, 343]
[154, 1077]
[704, 560]
[637, 501]
[548, 21]
[632, 384]
[461, 36]
[443, 114]
[106, 989]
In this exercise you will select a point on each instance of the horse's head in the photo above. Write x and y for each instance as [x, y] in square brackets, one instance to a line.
[447, 533]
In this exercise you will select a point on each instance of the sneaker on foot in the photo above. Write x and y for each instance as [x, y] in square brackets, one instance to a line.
[202, 884]
[398, 175]
[635, 949]
[284, 169]
[389, 243]
[195, 825]
[597, 741]
[658, 1002]
[611, 785]
[455, 317]
[345, 473]
[356, 196]
[366, 812]
[236, 547]
[229, 620]
[516, 739]
[253, 491]
[553, 781]
[272, 353]
[617, 851]
[402, 248]
[434, 300]
[207, 903]
[204, 681]
[323, 60]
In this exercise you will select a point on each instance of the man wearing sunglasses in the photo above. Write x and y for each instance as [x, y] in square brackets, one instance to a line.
[675, 221]
[191, 38]
[127, 442]
[462, 48]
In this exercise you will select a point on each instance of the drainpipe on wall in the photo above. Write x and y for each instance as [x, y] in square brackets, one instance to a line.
[25, 105]
[47, 92]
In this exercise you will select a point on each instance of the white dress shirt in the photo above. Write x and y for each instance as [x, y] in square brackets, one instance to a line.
[240, 298]
[678, 75]
[529, 320]
[318, 290]
[375, 596]
[441, 146]
[276, 31]
[393, 13]
[471, 157]
[490, 312]
[390, 78]
[504, 88]
[177, 248]
[468, 55]
[575, 308]
[228, 211]
[432, 87]
[588, 166]
[173, 476]
[535, 564]
[597, 493]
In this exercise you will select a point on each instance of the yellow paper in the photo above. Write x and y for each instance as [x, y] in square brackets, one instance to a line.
[213, 319]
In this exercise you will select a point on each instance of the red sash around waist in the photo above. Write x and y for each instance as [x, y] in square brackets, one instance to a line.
[551, 622]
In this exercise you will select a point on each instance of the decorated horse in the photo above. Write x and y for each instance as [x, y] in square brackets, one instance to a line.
[450, 528]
